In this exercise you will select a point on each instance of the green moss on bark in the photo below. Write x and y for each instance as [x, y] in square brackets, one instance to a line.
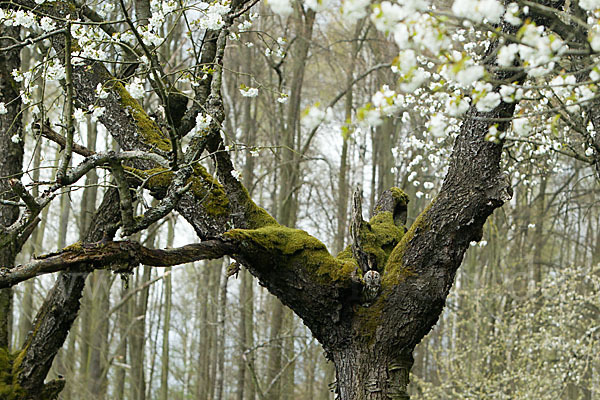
[300, 248]
[368, 319]
[255, 216]
[204, 187]
[146, 127]
[9, 386]
[395, 270]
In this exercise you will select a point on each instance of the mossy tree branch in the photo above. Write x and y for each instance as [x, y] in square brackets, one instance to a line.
[87, 257]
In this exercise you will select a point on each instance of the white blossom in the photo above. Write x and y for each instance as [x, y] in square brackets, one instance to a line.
[488, 102]
[136, 88]
[79, 115]
[595, 38]
[470, 74]
[355, 9]
[97, 112]
[281, 7]
[203, 121]
[318, 5]
[236, 174]
[24, 19]
[249, 92]
[457, 107]
[100, 92]
[493, 134]
[418, 78]
[406, 61]
[437, 125]
[507, 92]
[589, 152]
[17, 75]
[55, 71]
[521, 126]
[312, 117]
[3, 109]
[506, 54]
[478, 10]
[589, 5]
[47, 24]
[511, 14]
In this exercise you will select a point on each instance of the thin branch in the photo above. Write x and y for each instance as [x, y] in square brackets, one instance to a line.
[68, 111]
[30, 40]
[57, 138]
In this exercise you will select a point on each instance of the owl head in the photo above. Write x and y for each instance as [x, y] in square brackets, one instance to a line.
[372, 279]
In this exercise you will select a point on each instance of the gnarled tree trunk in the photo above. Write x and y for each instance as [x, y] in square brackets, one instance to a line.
[369, 328]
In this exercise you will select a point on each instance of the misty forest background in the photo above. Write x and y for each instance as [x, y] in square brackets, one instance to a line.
[523, 313]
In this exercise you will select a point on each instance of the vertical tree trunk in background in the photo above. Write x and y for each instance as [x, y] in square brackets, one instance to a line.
[200, 348]
[164, 374]
[539, 239]
[220, 370]
[97, 385]
[94, 326]
[387, 140]
[275, 349]
[247, 282]
[289, 182]
[287, 378]
[60, 365]
[137, 337]
[206, 355]
[245, 291]
[343, 183]
[34, 246]
[11, 161]
[241, 358]
[214, 328]
[121, 351]
[310, 366]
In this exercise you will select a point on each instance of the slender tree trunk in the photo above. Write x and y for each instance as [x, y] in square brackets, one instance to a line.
[241, 359]
[88, 207]
[11, 161]
[121, 351]
[27, 311]
[164, 376]
[249, 317]
[220, 373]
[275, 350]
[137, 338]
[287, 378]
[97, 384]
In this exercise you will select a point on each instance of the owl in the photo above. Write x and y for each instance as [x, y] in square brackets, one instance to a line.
[372, 281]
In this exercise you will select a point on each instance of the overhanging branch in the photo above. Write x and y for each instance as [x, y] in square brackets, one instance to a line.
[105, 255]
